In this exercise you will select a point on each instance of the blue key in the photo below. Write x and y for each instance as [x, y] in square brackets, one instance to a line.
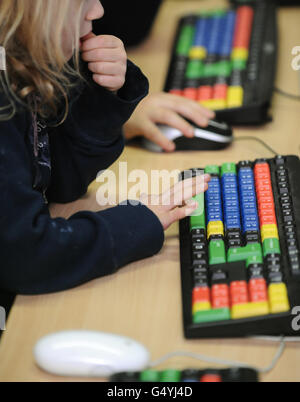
[228, 34]
[207, 31]
[213, 44]
[200, 32]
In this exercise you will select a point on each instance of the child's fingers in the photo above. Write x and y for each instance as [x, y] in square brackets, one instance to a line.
[152, 132]
[172, 119]
[107, 55]
[182, 212]
[179, 188]
[184, 190]
[101, 41]
[109, 81]
[180, 198]
[191, 110]
[107, 68]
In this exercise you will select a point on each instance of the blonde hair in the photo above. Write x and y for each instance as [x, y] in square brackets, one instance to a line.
[31, 31]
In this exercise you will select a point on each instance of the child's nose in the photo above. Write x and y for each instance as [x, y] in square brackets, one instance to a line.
[96, 11]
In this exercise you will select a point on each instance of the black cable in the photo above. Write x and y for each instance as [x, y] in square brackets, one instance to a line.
[287, 95]
[260, 141]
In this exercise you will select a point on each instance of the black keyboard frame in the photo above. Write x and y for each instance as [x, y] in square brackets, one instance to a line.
[256, 112]
[235, 374]
[273, 324]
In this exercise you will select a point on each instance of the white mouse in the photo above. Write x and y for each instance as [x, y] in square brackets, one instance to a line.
[89, 354]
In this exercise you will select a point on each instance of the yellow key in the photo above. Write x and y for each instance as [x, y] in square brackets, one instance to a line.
[208, 104]
[269, 232]
[217, 104]
[277, 289]
[235, 97]
[278, 298]
[249, 310]
[215, 228]
[201, 306]
[240, 53]
[197, 53]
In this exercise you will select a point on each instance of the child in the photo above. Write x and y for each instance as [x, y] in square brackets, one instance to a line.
[60, 124]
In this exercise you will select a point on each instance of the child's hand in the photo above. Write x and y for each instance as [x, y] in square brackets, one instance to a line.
[176, 204]
[166, 109]
[107, 60]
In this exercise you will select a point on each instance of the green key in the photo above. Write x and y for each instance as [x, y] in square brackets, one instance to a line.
[185, 40]
[170, 375]
[271, 246]
[212, 169]
[217, 254]
[210, 70]
[239, 64]
[197, 220]
[217, 314]
[228, 168]
[254, 259]
[149, 376]
[252, 253]
[224, 68]
[194, 69]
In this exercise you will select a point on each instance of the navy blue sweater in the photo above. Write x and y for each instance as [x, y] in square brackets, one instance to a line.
[40, 254]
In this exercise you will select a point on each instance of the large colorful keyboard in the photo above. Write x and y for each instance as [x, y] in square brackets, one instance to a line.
[226, 60]
[240, 261]
[189, 375]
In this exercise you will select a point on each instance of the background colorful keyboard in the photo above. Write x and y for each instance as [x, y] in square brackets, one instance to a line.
[226, 60]
[240, 260]
[189, 375]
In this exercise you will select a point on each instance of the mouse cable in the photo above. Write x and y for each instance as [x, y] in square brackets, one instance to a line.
[224, 362]
[287, 95]
[258, 140]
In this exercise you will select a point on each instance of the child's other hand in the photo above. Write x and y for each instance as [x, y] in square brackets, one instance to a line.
[175, 203]
[107, 60]
[163, 108]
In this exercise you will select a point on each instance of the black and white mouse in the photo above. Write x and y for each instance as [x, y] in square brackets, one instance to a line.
[217, 135]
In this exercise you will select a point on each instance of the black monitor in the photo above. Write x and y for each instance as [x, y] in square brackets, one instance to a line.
[129, 20]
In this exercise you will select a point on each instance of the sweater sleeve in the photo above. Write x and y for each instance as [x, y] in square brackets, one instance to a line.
[91, 138]
[40, 254]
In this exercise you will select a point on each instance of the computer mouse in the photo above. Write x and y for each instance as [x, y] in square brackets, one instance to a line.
[89, 354]
[217, 135]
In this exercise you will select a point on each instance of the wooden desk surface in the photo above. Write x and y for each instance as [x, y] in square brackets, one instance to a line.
[143, 300]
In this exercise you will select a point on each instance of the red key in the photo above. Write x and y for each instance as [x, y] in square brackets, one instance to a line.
[262, 167]
[205, 93]
[263, 182]
[267, 206]
[258, 290]
[262, 174]
[266, 199]
[220, 296]
[267, 212]
[211, 378]
[201, 294]
[176, 92]
[263, 187]
[243, 30]
[267, 220]
[220, 91]
[238, 292]
[190, 93]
